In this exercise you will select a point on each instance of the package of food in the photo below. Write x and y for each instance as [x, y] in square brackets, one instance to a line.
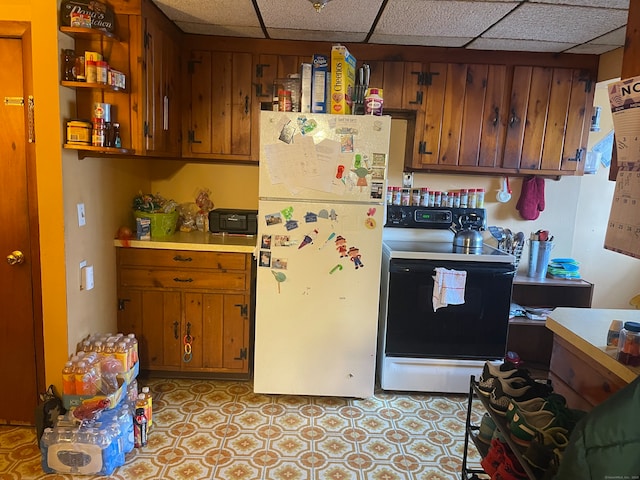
[343, 79]
[319, 81]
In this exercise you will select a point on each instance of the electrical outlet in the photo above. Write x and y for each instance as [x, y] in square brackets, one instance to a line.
[407, 180]
[82, 219]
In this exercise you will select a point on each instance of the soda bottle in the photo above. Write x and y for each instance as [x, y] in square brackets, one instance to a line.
[139, 428]
[68, 379]
[149, 406]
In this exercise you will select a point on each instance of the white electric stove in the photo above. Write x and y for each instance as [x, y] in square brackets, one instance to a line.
[436, 351]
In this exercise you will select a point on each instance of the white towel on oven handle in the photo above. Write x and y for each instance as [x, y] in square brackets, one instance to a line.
[448, 287]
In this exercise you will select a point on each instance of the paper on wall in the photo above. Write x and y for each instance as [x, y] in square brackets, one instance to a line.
[623, 229]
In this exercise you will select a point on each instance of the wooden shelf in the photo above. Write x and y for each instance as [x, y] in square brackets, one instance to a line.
[79, 32]
[105, 150]
[100, 86]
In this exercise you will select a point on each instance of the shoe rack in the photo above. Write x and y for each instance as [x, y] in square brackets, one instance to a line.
[471, 435]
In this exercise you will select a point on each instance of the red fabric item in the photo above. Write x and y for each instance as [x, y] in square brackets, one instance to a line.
[531, 201]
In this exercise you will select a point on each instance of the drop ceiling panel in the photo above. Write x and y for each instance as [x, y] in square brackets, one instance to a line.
[570, 26]
[557, 23]
[441, 18]
[338, 16]
[223, 13]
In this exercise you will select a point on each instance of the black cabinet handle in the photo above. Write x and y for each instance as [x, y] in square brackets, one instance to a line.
[180, 258]
[183, 280]
[175, 330]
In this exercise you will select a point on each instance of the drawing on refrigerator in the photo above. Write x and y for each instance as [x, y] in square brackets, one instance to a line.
[320, 216]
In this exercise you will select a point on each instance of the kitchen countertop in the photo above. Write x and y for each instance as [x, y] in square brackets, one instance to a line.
[197, 241]
[586, 329]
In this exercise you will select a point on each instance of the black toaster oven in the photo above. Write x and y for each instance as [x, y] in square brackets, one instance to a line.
[231, 220]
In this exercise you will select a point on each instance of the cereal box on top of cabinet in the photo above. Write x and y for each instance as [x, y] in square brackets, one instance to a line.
[343, 79]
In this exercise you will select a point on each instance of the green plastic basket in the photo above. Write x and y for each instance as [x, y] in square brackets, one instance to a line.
[162, 224]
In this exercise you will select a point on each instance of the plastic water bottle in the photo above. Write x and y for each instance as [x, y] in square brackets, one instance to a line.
[68, 379]
[122, 355]
[134, 345]
[84, 380]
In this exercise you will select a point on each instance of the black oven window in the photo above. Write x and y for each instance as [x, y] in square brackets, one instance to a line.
[476, 329]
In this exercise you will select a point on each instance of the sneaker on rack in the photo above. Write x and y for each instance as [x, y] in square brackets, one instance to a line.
[552, 403]
[545, 450]
[487, 427]
[516, 388]
[495, 369]
[524, 427]
[510, 469]
[494, 457]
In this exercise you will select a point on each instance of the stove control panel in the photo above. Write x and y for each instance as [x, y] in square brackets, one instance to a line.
[434, 217]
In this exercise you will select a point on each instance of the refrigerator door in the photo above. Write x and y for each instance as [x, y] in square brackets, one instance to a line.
[317, 298]
[321, 157]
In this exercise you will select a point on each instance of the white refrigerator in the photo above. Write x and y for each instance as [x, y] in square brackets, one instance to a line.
[320, 218]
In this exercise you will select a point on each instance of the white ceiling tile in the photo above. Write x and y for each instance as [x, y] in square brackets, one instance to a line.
[518, 45]
[576, 26]
[623, 4]
[337, 16]
[441, 18]
[215, 12]
[613, 38]
[314, 35]
[558, 23]
[591, 49]
[454, 42]
[202, 29]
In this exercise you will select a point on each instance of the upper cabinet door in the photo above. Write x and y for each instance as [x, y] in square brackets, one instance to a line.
[161, 72]
[548, 126]
[219, 116]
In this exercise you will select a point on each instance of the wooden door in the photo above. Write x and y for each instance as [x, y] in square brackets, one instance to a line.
[161, 341]
[235, 336]
[19, 290]
[221, 102]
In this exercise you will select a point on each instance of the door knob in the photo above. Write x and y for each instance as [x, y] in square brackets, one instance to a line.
[15, 257]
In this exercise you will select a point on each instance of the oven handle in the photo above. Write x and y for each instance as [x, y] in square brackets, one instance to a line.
[430, 269]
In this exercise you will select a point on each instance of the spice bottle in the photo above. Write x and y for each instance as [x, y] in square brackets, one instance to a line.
[116, 142]
[68, 65]
[79, 70]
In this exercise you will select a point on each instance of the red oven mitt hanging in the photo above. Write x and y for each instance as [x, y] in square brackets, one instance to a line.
[531, 201]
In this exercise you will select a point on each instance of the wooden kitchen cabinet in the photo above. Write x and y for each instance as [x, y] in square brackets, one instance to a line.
[218, 116]
[171, 298]
[114, 48]
[464, 119]
[159, 91]
[549, 118]
[496, 119]
[147, 50]
[402, 83]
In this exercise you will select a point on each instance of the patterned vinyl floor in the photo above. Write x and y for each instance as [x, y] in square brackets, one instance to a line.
[222, 430]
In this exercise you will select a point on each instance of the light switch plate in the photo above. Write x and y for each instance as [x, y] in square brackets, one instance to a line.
[407, 180]
[82, 219]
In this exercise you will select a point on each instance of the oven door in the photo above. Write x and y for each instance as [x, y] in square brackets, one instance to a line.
[476, 329]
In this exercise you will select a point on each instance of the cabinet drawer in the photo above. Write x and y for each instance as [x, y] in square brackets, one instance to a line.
[182, 279]
[588, 380]
[181, 259]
